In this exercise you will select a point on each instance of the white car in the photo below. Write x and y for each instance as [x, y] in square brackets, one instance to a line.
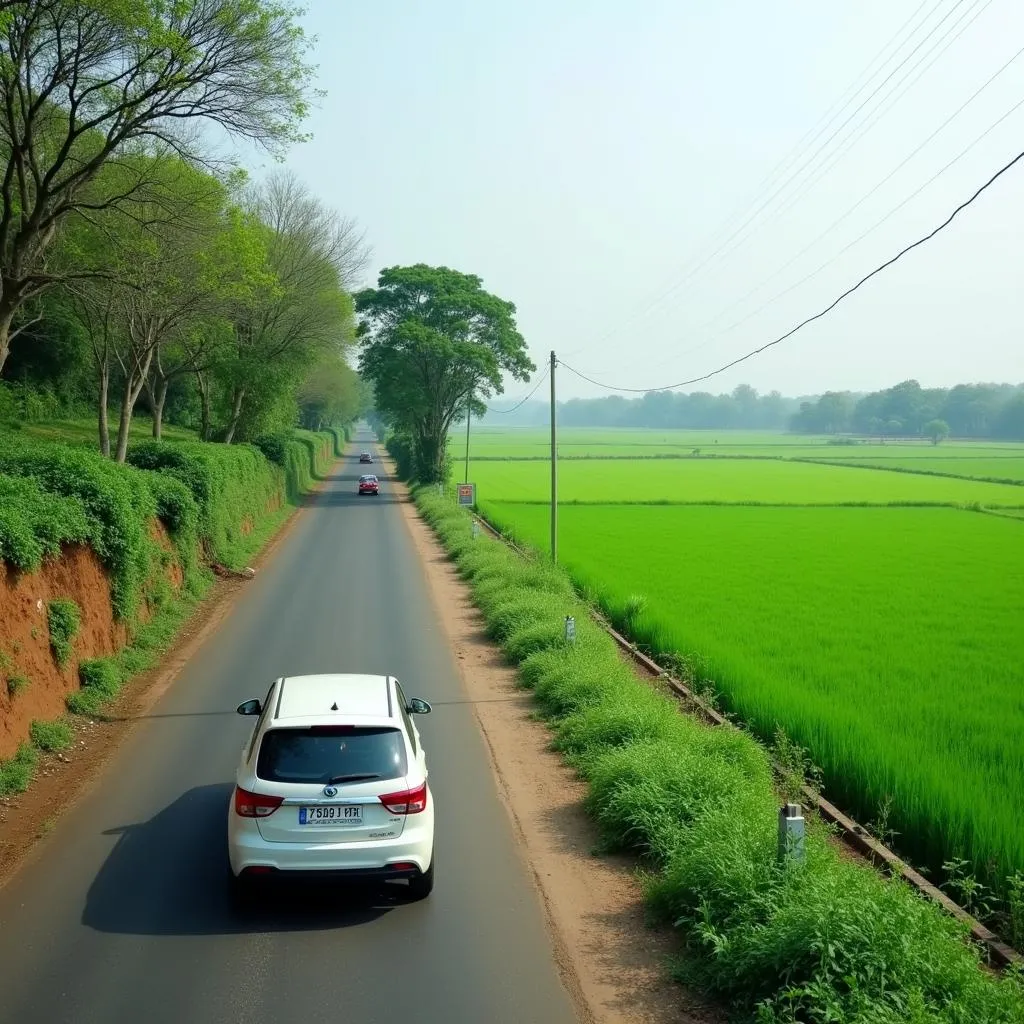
[333, 784]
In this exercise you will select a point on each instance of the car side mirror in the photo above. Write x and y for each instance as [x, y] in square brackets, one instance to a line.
[250, 707]
[418, 707]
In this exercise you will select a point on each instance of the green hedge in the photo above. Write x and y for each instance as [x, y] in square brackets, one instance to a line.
[233, 487]
[34, 523]
[304, 456]
[236, 486]
[831, 941]
[118, 503]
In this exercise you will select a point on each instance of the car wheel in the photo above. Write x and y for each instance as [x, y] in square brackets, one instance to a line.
[421, 886]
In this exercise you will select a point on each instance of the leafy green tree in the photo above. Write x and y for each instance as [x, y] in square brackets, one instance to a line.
[435, 343]
[162, 271]
[279, 333]
[936, 430]
[81, 83]
[331, 395]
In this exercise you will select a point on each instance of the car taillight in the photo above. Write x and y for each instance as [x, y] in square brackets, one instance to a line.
[408, 801]
[254, 805]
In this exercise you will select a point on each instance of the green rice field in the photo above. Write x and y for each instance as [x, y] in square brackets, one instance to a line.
[885, 636]
[730, 480]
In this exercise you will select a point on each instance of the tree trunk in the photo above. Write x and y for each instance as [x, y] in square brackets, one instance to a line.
[204, 397]
[430, 458]
[6, 320]
[236, 415]
[157, 400]
[104, 422]
[133, 385]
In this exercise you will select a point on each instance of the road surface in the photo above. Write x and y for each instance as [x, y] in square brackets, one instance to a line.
[124, 916]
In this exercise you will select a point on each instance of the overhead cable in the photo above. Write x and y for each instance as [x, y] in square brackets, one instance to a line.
[832, 305]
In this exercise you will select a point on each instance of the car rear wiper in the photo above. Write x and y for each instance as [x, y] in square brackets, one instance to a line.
[354, 777]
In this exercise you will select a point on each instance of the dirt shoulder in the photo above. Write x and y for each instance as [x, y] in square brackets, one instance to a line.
[61, 779]
[612, 962]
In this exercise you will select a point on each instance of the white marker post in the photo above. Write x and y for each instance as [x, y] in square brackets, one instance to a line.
[570, 629]
[791, 835]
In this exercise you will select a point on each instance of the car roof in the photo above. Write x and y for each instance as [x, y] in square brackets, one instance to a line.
[324, 696]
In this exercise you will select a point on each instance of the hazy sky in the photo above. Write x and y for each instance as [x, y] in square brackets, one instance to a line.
[584, 156]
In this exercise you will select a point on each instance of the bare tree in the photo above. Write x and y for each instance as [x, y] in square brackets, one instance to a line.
[81, 81]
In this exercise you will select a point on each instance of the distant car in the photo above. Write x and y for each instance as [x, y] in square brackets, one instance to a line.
[365, 457]
[368, 484]
[333, 784]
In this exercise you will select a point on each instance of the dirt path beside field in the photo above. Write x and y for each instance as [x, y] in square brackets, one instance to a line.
[593, 903]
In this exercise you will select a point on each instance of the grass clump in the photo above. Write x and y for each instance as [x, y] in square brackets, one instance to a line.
[17, 683]
[16, 772]
[63, 617]
[829, 941]
[100, 680]
[51, 736]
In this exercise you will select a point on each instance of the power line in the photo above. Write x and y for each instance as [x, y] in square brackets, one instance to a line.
[860, 238]
[679, 285]
[889, 101]
[858, 132]
[505, 412]
[811, 136]
[828, 309]
[810, 245]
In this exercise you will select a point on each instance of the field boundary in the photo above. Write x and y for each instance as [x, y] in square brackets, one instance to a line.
[852, 834]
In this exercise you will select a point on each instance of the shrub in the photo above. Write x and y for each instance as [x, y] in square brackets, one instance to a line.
[64, 618]
[51, 736]
[100, 679]
[16, 772]
[116, 500]
[233, 486]
[16, 683]
[34, 523]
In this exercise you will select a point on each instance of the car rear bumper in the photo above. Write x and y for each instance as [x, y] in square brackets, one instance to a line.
[370, 859]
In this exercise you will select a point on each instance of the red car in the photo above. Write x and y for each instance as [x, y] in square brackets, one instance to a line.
[368, 485]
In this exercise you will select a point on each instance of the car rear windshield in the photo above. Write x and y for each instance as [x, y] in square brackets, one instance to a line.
[325, 753]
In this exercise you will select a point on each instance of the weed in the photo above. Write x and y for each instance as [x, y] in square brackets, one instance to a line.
[794, 766]
[17, 683]
[51, 736]
[63, 617]
[16, 772]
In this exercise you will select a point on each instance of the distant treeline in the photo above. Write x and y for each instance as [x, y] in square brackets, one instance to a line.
[967, 410]
[905, 410]
[743, 409]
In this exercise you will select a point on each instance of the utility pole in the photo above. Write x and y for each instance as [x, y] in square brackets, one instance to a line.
[469, 397]
[554, 468]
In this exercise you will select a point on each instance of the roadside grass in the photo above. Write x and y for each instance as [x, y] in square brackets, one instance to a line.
[16, 772]
[51, 737]
[831, 941]
[84, 431]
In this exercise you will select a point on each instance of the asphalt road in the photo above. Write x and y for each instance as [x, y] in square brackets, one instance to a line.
[124, 915]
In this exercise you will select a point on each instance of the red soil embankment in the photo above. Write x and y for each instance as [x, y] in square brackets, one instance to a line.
[40, 684]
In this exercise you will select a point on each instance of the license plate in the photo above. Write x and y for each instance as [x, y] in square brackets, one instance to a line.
[331, 814]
